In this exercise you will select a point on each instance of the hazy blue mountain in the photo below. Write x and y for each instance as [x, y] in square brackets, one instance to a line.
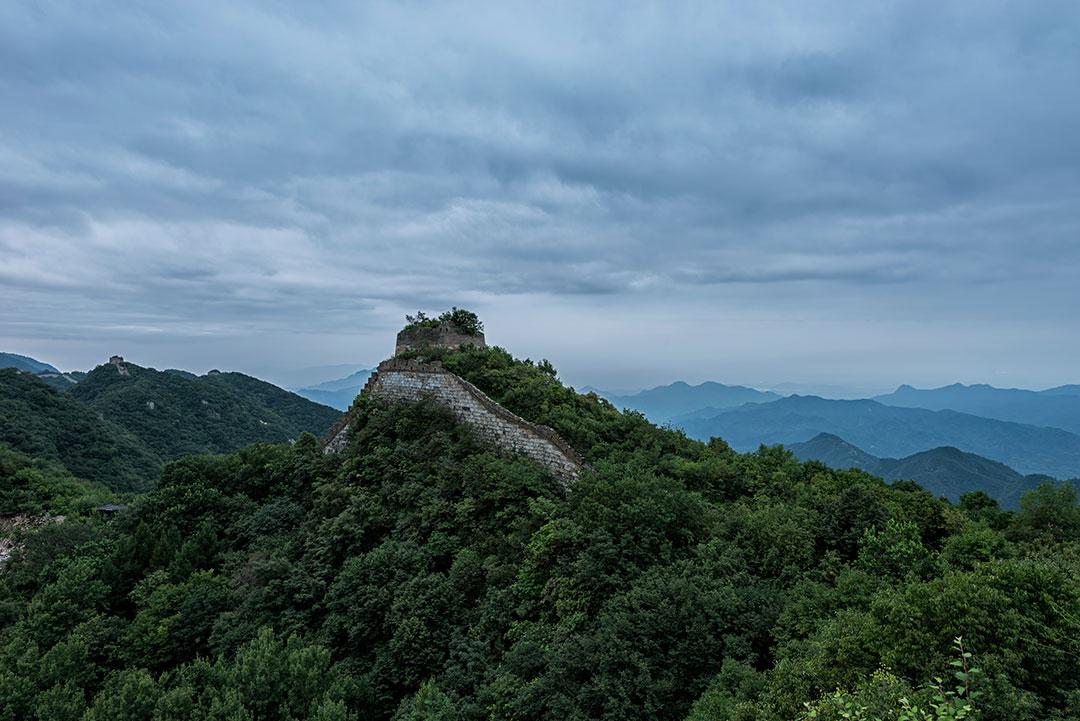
[353, 380]
[893, 432]
[307, 377]
[25, 364]
[835, 452]
[605, 393]
[1069, 390]
[825, 390]
[943, 471]
[338, 393]
[663, 403]
[1056, 407]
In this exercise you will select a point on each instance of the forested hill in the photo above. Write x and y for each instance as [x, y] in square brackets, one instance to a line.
[418, 574]
[119, 430]
[40, 422]
[177, 413]
[943, 471]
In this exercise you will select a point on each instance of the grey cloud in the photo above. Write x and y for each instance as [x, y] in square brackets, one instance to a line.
[245, 166]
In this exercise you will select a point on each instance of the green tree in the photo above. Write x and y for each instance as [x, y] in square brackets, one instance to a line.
[62, 702]
[429, 703]
[896, 550]
[1049, 511]
[129, 695]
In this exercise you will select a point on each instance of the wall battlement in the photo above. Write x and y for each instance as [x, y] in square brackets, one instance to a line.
[402, 380]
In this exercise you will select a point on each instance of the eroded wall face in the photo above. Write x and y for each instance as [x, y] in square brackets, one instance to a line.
[409, 381]
[494, 424]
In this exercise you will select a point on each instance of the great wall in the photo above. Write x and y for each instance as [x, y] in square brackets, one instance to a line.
[402, 380]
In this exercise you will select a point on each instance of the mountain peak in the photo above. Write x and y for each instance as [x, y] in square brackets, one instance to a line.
[830, 437]
[678, 399]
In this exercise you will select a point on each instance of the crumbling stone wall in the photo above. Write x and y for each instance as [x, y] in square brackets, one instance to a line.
[443, 335]
[409, 381]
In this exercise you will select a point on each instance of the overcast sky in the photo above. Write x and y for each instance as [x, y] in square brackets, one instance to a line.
[822, 192]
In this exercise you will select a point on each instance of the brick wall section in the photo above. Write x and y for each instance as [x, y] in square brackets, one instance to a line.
[408, 381]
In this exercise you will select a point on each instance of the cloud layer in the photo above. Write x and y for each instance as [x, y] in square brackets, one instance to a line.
[214, 182]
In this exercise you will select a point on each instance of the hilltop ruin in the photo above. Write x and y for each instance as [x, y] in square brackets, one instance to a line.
[409, 380]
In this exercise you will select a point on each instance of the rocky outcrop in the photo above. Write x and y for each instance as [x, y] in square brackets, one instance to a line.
[400, 380]
[10, 526]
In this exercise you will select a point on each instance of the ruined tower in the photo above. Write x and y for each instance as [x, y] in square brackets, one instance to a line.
[443, 335]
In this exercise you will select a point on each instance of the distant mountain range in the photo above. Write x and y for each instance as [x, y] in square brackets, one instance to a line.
[25, 363]
[1069, 390]
[1057, 407]
[892, 432]
[339, 393]
[665, 403]
[825, 390]
[943, 471]
[950, 439]
[119, 428]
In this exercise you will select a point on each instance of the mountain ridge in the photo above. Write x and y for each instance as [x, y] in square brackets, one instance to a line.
[892, 431]
[177, 414]
[661, 404]
[945, 471]
[25, 363]
[1055, 407]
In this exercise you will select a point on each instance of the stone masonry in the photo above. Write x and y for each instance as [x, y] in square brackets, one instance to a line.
[400, 380]
[443, 335]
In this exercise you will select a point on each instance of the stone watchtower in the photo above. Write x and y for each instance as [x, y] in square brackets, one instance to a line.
[117, 362]
[443, 335]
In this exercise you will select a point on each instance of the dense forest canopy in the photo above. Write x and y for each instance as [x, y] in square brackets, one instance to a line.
[41, 422]
[420, 575]
[33, 486]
